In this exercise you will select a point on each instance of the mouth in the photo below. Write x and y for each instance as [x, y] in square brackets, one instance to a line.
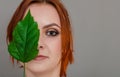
[40, 57]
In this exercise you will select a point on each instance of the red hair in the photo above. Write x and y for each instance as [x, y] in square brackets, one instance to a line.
[66, 36]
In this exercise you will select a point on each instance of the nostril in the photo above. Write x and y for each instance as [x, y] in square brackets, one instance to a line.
[41, 47]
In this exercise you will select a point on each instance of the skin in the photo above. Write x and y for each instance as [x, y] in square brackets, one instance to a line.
[49, 42]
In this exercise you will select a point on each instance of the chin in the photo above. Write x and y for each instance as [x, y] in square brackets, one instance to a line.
[43, 65]
[37, 67]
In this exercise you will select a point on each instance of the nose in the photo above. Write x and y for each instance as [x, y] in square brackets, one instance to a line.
[41, 43]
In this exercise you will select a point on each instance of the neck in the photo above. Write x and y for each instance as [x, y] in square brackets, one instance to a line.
[51, 73]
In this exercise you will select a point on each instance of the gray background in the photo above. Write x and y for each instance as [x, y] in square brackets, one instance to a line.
[96, 29]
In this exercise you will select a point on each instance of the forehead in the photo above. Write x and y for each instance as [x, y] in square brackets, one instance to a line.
[44, 14]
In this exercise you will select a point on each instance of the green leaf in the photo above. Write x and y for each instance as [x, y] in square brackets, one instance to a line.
[26, 34]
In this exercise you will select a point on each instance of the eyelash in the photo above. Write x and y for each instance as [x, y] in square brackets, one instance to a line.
[52, 32]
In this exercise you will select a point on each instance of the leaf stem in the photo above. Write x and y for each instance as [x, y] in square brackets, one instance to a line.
[24, 71]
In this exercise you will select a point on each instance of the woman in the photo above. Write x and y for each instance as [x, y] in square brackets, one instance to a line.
[55, 43]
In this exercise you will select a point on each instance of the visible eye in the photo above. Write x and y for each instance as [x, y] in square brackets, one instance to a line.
[52, 32]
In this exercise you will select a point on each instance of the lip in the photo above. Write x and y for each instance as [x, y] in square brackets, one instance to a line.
[40, 57]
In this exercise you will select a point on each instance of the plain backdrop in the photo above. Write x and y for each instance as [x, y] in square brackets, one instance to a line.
[96, 30]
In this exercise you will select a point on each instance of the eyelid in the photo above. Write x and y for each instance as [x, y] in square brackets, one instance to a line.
[59, 30]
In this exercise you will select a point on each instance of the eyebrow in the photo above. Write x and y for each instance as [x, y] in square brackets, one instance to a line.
[49, 25]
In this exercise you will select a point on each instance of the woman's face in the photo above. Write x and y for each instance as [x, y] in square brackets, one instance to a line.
[49, 44]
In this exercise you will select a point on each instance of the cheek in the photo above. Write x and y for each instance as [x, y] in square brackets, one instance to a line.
[54, 45]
